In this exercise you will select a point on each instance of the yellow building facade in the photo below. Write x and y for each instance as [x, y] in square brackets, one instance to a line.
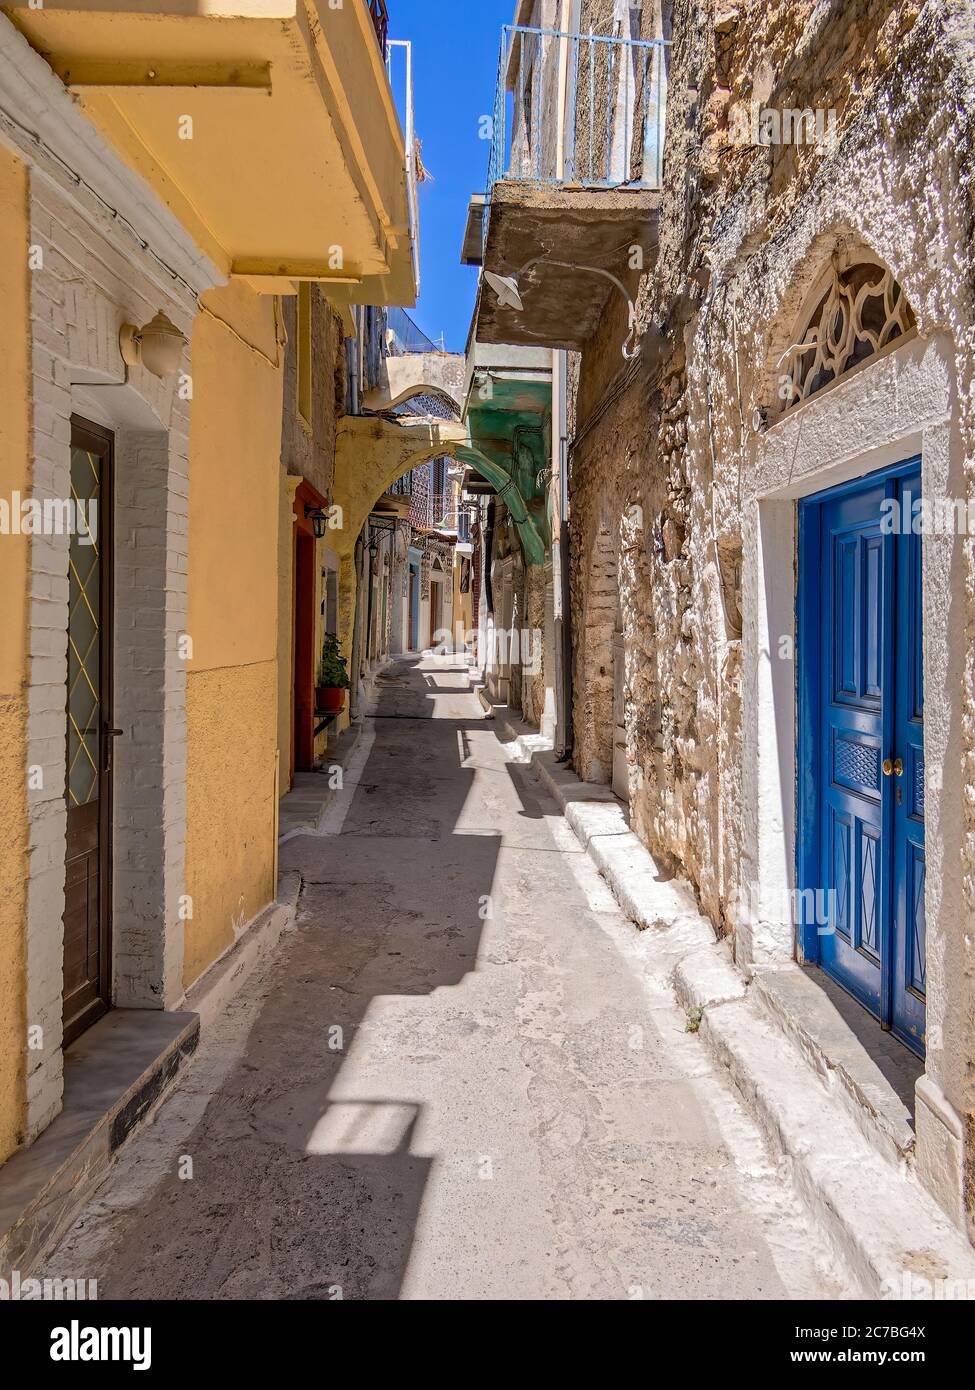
[180, 178]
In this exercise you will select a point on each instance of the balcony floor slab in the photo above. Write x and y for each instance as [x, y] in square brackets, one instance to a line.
[582, 225]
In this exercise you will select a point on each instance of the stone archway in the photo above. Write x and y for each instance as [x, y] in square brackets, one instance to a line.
[371, 454]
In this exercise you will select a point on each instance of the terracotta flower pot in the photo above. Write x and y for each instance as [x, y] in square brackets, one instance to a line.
[330, 699]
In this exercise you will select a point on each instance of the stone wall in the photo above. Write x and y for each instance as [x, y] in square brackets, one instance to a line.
[677, 462]
[310, 452]
[726, 288]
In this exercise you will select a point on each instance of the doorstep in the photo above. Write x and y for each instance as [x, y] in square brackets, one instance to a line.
[876, 1074]
[834, 1112]
[113, 1075]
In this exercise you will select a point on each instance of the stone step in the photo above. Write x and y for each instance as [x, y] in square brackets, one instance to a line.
[114, 1075]
[869, 1071]
[883, 1227]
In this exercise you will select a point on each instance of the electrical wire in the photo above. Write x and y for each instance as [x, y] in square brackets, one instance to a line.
[280, 336]
[80, 182]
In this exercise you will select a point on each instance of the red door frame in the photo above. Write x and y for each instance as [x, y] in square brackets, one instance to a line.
[304, 612]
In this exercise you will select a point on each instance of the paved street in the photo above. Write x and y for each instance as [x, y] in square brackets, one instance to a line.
[459, 1077]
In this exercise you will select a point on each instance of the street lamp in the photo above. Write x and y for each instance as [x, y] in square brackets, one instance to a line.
[508, 291]
[506, 288]
[319, 520]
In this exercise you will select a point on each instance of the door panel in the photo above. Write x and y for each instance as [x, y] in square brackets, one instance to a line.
[907, 1008]
[853, 639]
[88, 786]
[866, 745]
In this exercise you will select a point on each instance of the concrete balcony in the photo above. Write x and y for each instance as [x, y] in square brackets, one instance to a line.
[268, 127]
[574, 180]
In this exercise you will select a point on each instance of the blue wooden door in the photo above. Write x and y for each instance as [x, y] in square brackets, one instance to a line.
[860, 589]
[907, 786]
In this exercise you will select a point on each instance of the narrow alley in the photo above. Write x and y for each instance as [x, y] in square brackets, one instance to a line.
[458, 1078]
[487, 669]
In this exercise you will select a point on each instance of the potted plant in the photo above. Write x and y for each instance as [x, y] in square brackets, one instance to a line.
[333, 679]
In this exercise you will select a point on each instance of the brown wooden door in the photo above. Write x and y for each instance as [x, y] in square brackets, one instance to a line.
[436, 611]
[88, 788]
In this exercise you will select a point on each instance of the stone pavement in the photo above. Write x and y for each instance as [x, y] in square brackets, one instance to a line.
[457, 1077]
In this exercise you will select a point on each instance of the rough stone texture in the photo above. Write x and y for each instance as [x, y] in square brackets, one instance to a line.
[474, 1093]
[672, 457]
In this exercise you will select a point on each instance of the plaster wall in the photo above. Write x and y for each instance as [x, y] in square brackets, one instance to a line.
[232, 678]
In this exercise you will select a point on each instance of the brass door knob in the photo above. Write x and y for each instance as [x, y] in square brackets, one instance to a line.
[888, 766]
[898, 767]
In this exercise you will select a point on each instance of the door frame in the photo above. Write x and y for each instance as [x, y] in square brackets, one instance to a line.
[86, 434]
[808, 617]
[303, 672]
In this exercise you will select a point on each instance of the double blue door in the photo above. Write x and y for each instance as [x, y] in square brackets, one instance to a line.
[862, 744]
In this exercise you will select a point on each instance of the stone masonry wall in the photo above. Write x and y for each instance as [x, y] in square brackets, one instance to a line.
[311, 453]
[661, 451]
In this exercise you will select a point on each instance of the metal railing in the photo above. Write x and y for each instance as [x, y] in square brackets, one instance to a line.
[583, 109]
[380, 21]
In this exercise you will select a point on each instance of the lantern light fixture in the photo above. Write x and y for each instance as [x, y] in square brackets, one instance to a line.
[157, 346]
[319, 520]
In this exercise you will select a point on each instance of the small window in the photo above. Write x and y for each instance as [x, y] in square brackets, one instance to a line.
[304, 352]
[861, 311]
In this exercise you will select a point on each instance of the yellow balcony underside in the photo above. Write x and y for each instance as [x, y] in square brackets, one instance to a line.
[292, 162]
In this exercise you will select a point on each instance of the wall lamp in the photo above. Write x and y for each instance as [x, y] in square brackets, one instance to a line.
[158, 346]
[376, 530]
[319, 520]
[507, 289]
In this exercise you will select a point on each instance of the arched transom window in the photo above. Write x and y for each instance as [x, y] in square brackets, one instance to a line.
[861, 310]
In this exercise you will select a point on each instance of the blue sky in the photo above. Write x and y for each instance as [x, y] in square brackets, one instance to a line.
[455, 61]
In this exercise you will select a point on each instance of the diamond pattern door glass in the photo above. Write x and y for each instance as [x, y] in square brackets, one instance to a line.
[84, 644]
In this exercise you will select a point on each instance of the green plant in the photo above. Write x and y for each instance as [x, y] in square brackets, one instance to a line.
[331, 667]
[695, 1017]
